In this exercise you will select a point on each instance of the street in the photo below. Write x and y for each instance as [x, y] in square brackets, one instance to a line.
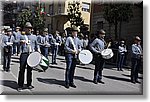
[52, 81]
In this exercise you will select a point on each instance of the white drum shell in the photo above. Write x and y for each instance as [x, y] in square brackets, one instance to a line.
[85, 56]
[107, 53]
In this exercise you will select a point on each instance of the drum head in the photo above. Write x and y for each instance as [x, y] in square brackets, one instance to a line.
[107, 53]
[85, 56]
[34, 59]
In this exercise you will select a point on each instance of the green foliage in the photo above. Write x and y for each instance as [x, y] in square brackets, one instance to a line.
[117, 13]
[24, 16]
[36, 17]
[74, 14]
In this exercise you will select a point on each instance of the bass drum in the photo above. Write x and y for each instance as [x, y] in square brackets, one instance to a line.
[35, 59]
[85, 56]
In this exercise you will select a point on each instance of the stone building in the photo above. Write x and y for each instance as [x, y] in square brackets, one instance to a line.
[57, 11]
[129, 29]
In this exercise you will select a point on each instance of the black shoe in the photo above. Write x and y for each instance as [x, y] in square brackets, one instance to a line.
[4, 69]
[137, 81]
[19, 89]
[30, 87]
[101, 82]
[121, 70]
[55, 63]
[95, 82]
[7, 70]
[133, 82]
[67, 86]
[72, 85]
[52, 63]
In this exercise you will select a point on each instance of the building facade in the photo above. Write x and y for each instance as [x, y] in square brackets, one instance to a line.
[129, 29]
[57, 14]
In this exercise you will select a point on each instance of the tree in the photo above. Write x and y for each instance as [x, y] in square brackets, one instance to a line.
[74, 14]
[116, 14]
[36, 17]
[24, 16]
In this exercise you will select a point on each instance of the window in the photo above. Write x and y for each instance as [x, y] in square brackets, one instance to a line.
[86, 7]
[99, 25]
[51, 9]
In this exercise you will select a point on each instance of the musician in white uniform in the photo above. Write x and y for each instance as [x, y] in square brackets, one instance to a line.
[97, 46]
[137, 54]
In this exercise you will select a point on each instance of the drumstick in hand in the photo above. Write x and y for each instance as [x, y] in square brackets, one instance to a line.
[109, 44]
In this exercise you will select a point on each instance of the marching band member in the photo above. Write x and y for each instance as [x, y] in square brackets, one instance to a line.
[63, 39]
[97, 46]
[43, 41]
[85, 42]
[137, 54]
[81, 36]
[7, 41]
[121, 54]
[28, 43]
[16, 45]
[55, 43]
[72, 47]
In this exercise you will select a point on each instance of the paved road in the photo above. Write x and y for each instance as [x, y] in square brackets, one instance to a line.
[52, 81]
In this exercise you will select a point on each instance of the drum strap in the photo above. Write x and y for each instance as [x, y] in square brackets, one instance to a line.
[105, 44]
[139, 49]
[9, 39]
[28, 45]
[72, 42]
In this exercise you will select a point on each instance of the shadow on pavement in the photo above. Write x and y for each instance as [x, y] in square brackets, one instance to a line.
[56, 67]
[52, 81]
[82, 79]
[117, 78]
[61, 59]
[15, 61]
[15, 57]
[84, 67]
[130, 76]
[10, 84]
[111, 67]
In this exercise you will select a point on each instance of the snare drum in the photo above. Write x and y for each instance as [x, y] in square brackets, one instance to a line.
[107, 53]
[35, 59]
